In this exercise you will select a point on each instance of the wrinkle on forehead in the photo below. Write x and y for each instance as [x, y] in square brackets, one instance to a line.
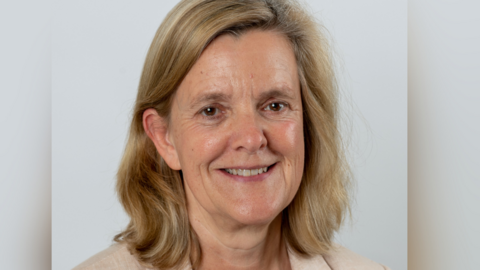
[223, 67]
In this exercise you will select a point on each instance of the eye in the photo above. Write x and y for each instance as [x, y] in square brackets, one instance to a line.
[275, 106]
[210, 111]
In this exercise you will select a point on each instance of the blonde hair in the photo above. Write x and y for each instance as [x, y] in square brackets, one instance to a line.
[159, 233]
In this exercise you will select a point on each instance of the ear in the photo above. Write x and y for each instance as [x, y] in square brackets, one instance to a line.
[156, 128]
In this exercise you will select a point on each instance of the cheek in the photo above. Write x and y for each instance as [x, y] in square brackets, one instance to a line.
[197, 146]
[290, 144]
[289, 141]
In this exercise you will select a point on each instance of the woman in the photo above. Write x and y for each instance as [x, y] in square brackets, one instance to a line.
[234, 158]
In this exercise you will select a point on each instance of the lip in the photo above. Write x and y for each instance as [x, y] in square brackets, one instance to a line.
[253, 178]
[251, 168]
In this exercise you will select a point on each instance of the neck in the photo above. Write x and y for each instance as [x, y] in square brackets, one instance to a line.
[225, 245]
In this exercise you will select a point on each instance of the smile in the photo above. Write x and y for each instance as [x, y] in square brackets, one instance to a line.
[246, 172]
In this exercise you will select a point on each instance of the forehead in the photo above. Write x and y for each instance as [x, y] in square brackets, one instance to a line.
[256, 60]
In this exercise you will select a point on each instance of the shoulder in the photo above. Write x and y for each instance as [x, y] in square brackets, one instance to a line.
[116, 256]
[340, 257]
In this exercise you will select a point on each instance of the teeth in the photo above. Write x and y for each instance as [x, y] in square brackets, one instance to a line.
[247, 172]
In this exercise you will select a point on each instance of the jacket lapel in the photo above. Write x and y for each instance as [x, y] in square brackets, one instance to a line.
[316, 262]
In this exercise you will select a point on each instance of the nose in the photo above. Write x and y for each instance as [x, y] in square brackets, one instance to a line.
[248, 134]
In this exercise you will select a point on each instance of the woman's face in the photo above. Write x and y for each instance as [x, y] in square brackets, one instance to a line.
[239, 111]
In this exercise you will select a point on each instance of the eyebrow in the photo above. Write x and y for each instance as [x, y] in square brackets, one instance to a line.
[210, 97]
[282, 92]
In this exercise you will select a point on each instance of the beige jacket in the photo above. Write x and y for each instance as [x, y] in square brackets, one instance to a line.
[117, 257]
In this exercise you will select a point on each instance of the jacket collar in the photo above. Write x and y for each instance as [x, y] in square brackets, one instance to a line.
[298, 262]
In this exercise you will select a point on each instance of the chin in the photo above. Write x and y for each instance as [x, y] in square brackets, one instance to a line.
[256, 215]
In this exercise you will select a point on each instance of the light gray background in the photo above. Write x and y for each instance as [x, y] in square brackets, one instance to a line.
[25, 137]
[444, 135]
[444, 63]
[98, 49]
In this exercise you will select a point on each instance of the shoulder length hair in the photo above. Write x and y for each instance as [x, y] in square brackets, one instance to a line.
[159, 233]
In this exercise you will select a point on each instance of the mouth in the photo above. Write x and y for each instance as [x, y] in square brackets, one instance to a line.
[249, 172]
